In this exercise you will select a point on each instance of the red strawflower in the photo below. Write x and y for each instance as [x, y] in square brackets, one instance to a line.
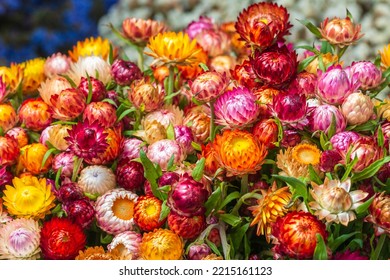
[244, 75]
[186, 227]
[262, 24]
[61, 239]
[130, 175]
[69, 191]
[276, 66]
[80, 211]
[295, 235]
[98, 90]
[87, 140]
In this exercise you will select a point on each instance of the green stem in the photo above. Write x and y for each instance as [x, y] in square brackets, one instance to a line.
[244, 184]
[171, 80]
[212, 121]
[76, 167]
[242, 200]
[379, 246]
[140, 58]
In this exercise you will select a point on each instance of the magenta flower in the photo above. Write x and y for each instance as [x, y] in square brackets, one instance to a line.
[342, 140]
[198, 26]
[87, 140]
[321, 118]
[236, 108]
[290, 108]
[335, 85]
[368, 74]
[275, 67]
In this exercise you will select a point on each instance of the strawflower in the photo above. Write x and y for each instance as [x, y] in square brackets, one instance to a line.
[19, 240]
[171, 48]
[29, 197]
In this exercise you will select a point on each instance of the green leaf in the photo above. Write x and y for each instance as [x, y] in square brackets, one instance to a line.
[164, 211]
[314, 176]
[204, 66]
[320, 252]
[304, 63]
[333, 245]
[170, 166]
[125, 113]
[89, 97]
[92, 196]
[71, 82]
[170, 132]
[47, 155]
[326, 47]
[197, 172]
[308, 48]
[312, 28]
[57, 179]
[230, 219]
[213, 247]
[332, 127]
[151, 174]
[349, 15]
[111, 55]
[321, 64]
[381, 139]
[196, 146]
[371, 170]
[237, 236]
[350, 165]
[363, 207]
[232, 196]
[367, 126]
[299, 187]
[106, 239]
[324, 142]
[213, 201]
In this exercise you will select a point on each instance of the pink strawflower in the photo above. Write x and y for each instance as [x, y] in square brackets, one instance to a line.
[131, 148]
[236, 108]
[19, 240]
[368, 74]
[185, 137]
[335, 85]
[57, 64]
[348, 255]
[160, 152]
[322, 116]
[197, 26]
[341, 141]
[66, 161]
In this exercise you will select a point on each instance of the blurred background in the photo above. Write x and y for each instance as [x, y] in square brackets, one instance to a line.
[39, 28]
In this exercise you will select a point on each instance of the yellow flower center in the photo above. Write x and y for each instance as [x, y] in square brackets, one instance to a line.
[29, 199]
[123, 208]
[151, 209]
[306, 154]
[240, 144]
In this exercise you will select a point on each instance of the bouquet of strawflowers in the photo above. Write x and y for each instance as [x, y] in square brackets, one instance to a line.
[232, 143]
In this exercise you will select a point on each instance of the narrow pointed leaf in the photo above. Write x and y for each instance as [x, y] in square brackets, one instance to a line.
[320, 252]
[363, 208]
[197, 172]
